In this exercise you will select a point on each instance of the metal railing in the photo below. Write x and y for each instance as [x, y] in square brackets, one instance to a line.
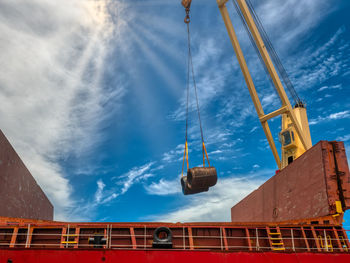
[296, 239]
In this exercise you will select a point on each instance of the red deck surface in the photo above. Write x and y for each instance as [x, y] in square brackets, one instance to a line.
[168, 256]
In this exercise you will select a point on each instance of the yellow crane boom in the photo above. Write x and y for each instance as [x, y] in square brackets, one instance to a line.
[295, 134]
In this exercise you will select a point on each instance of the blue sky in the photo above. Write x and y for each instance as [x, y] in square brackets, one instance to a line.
[93, 92]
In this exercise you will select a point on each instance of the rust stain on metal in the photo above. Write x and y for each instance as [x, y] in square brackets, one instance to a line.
[21, 196]
[307, 188]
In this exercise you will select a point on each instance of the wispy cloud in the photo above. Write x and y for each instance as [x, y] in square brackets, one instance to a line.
[135, 175]
[338, 86]
[105, 194]
[344, 138]
[174, 155]
[333, 116]
[99, 192]
[86, 210]
[321, 64]
[164, 187]
[253, 129]
[278, 17]
[210, 82]
[101, 196]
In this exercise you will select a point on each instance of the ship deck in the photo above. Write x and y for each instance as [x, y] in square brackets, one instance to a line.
[213, 236]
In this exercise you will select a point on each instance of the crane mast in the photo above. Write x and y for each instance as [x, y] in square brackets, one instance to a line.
[295, 134]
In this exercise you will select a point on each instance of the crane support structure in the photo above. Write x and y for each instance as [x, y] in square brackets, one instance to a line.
[286, 110]
[248, 78]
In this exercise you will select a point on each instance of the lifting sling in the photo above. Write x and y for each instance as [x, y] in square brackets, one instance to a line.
[198, 179]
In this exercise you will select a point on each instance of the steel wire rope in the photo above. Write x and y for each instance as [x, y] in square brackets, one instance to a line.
[253, 43]
[194, 81]
[275, 58]
[190, 69]
[188, 93]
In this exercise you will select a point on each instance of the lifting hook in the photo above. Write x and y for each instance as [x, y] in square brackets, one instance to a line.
[187, 4]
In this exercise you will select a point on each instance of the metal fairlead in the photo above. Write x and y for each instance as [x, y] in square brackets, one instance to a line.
[162, 238]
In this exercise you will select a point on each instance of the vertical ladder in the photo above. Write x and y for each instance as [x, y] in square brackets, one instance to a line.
[343, 243]
[275, 239]
[327, 244]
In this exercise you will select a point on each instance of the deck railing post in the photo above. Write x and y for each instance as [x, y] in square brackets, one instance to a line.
[27, 240]
[67, 237]
[183, 237]
[325, 239]
[144, 237]
[107, 236]
[110, 236]
[292, 235]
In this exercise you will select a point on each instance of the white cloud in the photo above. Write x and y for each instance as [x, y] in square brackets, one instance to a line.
[216, 152]
[164, 187]
[270, 100]
[277, 16]
[174, 155]
[339, 86]
[333, 116]
[101, 196]
[52, 60]
[135, 175]
[321, 64]
[105, 195]
[86, 210]
[254, 129]
[215, 205]
[99, 192]
[344, 138]
[109, 198]
[339, 115]
[217, 135]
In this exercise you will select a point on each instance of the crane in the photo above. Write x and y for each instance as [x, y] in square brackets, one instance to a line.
[295, 135]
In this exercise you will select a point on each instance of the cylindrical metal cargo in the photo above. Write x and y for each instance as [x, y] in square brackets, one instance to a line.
[188, 190]
[201, 177]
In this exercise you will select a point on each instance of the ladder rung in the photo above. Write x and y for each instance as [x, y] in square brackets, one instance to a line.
[69, 235]
[275, 238]
[278, 248]
[277, 244]
[69, 242]
[272, 233]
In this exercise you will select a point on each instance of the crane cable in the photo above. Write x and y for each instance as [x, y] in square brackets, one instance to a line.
[276, 59]
[272, 51]
[191, 70]
[235, 4]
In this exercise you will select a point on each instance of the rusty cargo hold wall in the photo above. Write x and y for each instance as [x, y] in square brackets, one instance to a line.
[20, 195]
[307, 188]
